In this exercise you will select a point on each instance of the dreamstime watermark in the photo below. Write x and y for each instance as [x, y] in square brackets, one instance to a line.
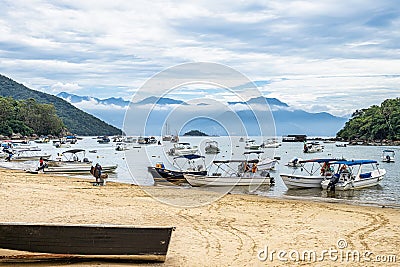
[339, 253]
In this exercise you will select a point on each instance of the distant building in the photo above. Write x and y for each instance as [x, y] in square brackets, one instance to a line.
[294, 138]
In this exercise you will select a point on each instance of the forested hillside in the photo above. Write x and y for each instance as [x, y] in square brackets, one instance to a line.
[28, 117]
[374, 123]
[75, 120]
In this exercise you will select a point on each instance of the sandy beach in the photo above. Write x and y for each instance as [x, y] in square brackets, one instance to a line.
[233, 230]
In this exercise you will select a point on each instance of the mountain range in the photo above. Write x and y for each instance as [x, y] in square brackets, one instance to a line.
[287, 120]
[77, 121]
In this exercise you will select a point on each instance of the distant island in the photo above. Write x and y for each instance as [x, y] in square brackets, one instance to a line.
[195, 133]
[376, 124]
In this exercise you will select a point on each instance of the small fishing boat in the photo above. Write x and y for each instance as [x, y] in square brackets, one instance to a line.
[271, 143]
[294, 163]
[388, 155]
[73, 161]
[226, 175]
[310, 175]
[121, 146]
[250, 144]
[263, 163]
[185, 164]
[83, 168]
[341, 145]
[182, 148]
[212, 147]
[354, 174]
[312, 147]
[26, 155]
[104, 140]
[88, 241]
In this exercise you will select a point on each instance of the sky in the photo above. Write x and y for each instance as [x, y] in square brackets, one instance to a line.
[333, 56]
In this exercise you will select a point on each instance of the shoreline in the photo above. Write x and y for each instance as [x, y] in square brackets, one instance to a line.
[300, 198]
[229, 230]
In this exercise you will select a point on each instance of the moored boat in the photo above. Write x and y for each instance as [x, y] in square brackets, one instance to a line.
[388, 155]
[189, 166]
[26, 155]
[88, 241]
[310, 175]
[182, 148]
[312, 147]
[263, 163]
[354, 174]
[225, 175]
[212, 147]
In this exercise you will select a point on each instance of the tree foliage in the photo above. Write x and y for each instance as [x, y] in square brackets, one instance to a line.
[374, 123]
[28, 117]
[75, 120]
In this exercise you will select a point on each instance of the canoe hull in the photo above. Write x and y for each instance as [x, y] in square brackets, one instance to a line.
[87, 240]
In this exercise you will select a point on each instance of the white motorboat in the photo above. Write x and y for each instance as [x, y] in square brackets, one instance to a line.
[271, 143]
[312, 147]
[294, 163]
[73, 161]
[25, 155]
[310, 175]
[354, 174]
[250, 144]
[212, 147]
[121, 146]
[63, 167]
[388, 155]
[226, 175]
[263, 163]
[182, 148]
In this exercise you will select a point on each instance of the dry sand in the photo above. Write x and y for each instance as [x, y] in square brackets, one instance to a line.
[231, 231]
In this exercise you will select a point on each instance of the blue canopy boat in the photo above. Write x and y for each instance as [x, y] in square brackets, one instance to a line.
[354, 174]
[309, 174]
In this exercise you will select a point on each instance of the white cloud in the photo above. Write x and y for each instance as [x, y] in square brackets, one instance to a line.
[316, 52]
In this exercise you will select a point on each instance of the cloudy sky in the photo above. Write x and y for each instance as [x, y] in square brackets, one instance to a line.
[329, 55]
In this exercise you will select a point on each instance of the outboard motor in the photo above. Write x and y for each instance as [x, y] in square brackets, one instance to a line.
[334, 180]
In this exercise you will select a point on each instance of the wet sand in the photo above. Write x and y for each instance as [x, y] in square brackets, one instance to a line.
[233, 230]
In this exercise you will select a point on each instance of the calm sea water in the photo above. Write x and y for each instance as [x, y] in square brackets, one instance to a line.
[133, 163]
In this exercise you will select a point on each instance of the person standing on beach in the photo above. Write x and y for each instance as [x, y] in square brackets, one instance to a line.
[97, 174]
[42, 165]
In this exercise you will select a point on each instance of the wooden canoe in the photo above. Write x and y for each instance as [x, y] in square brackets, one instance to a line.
[92, 241]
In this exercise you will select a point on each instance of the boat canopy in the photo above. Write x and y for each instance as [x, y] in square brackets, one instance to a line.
[73, 151]
[318, 160]
[253, 152]
[235, 160]
[388, 151]
[355, 162]
[190, 156]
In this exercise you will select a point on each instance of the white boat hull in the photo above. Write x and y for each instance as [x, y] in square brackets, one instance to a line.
[302, 181]
[376, 177]
[77, 168]
[27, 158]
[246, 180]
[266, 165]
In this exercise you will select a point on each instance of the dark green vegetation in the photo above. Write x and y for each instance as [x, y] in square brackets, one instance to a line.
[195, 133]
[75, 120]
[28, 117]
[374, 123]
